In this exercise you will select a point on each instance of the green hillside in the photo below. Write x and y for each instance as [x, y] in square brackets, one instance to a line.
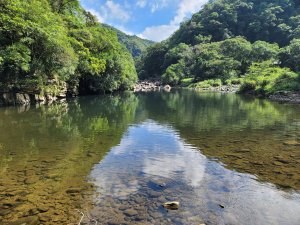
[242, 41]
[135, 45]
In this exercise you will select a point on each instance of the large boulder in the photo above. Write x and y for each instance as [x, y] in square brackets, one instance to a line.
[22, 99]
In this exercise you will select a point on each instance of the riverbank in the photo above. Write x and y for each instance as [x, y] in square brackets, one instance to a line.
[223, 88]
[286, 97]
[291, 97]
[13, 99]
[147, 86]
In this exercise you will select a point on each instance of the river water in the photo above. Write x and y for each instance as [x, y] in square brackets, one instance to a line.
[227, 159]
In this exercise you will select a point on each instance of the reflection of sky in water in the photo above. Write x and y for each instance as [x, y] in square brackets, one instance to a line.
[152, 152]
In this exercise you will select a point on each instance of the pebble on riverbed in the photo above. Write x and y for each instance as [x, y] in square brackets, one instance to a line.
[171, 205]
[292, 143]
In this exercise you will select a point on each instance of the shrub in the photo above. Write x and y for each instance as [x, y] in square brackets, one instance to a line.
[234, 81]
[207, 84]
[248, 85]
[186, 82]
[216, 83]
[289, 81]
[266, 78]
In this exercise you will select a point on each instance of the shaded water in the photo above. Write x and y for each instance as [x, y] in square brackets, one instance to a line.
[225, 158]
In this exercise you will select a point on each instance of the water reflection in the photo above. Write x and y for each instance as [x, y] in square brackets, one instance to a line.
[152, 165]
[248, 135]
[150, 151]
[47, 152]
[202, 149]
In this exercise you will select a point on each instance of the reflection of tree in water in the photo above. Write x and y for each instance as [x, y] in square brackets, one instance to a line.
[50, 150]
[47, 152]
[247, 134]
[208, 111]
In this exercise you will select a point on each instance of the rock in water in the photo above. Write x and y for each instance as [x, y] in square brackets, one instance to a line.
[292, 143]
[171, 205]
[167, 88]
[221, 206]
[130, 212]
[30, 220]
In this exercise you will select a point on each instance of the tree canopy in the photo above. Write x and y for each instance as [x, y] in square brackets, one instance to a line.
[46, 40]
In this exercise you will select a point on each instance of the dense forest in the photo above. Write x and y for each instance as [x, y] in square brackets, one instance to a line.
[250, 42]
[135, 45]
[48, 47]
[53, 47]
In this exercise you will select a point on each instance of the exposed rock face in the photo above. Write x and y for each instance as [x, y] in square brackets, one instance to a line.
[147, 86]
[7, 99]
[14, 99]
[33, 96]
[22, 99]
[39, 98]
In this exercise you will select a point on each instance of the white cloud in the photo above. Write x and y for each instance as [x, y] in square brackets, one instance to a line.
[154, 5]
[158, 33]
[114, 11]
[185, 8]
[141, 3]
[158, 4]
[97, 14]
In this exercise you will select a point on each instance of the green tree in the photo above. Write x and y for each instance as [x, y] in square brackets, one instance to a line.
[262, 51]
[45, 43]
[290, 55]
[174, 73]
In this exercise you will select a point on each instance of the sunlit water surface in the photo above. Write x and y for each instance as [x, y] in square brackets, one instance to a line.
[116, 159]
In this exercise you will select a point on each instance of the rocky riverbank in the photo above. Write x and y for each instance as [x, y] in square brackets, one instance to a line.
[7, 99]
[147, 86]
[54, 90]
[223, 88]
[286, 96]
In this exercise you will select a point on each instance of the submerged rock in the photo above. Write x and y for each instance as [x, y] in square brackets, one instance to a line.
[73, 190]
[171, 205]
[221, 206]
[130, 212]
[292, 142]
[30, 220]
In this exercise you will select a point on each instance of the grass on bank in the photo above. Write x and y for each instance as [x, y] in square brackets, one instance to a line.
[263, 78]
[266, 78]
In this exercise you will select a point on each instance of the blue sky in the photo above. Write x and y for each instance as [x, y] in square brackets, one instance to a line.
[151, 19]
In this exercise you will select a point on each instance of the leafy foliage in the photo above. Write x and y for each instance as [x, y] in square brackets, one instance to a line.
[44, 40]
[267, 20]
[266, 78]
[207, 84]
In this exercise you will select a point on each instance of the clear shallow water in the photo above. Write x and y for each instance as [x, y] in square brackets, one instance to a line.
[226, 159]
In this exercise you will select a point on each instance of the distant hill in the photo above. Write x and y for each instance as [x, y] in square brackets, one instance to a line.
[135, 45]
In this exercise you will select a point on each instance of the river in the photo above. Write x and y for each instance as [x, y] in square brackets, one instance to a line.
[227, 159]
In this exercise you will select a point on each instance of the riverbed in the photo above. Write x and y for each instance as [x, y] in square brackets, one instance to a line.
[227, 159]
